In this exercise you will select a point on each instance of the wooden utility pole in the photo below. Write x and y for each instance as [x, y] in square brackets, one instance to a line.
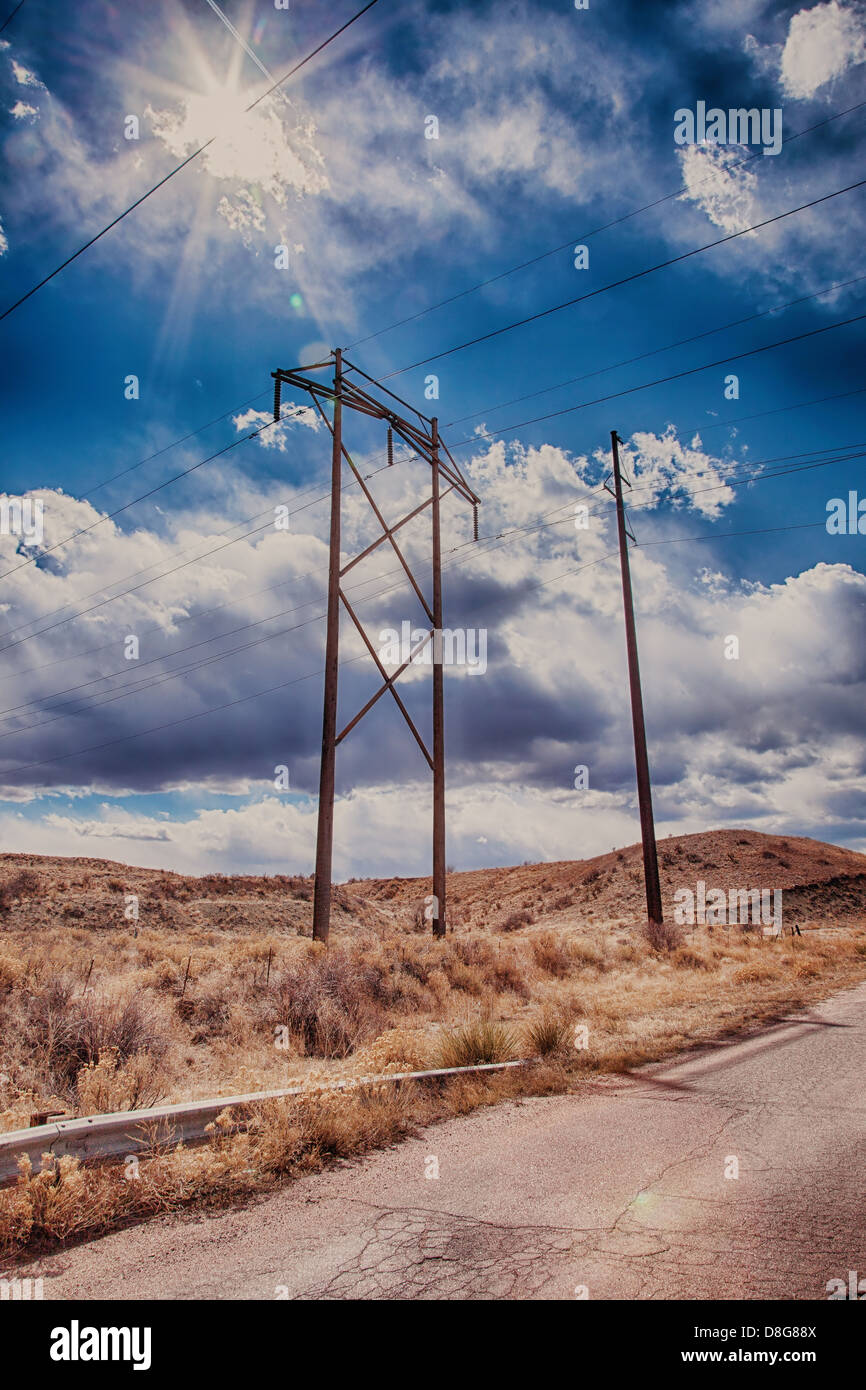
[438, 706]
[325, 832]
[644, 789]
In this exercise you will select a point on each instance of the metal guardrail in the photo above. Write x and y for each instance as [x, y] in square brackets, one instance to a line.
[106, 1136]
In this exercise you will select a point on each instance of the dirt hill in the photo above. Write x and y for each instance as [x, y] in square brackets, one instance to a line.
[820, 882]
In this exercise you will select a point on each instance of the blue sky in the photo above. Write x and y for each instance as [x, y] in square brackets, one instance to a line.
[552, 123]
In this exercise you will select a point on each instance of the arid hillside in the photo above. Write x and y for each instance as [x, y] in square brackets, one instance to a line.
[820, 883]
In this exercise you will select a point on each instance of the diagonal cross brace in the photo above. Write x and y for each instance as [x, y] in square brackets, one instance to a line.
[388, 531]
[389, 682]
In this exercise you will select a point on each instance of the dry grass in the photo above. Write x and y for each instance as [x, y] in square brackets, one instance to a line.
[67, 1200]
[218, 990]
[477, 1042]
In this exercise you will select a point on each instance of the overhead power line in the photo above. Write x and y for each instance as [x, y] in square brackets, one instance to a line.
[661, 381]
[9, 18]
[6, 775]
[654, 352]
[625, 280]
[585, 236]
[140, 684]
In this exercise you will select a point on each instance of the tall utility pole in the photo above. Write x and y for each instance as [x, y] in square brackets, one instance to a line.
[325, 833]
[438, 705]
[421, 434]
[644, 789]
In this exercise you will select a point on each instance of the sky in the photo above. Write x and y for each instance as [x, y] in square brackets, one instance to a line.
[423, 182]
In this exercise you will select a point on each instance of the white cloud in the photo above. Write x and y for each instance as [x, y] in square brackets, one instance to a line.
[4, 241]
[277, 436]
[822, 44]
[726, 193]
[24, 77]
[22, 109]
[260, 149]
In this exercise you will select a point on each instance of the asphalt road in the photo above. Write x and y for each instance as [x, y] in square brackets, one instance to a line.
[620, 1191]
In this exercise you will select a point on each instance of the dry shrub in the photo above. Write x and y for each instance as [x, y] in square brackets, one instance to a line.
[548, 1033]
[662, 936]
[756, 974]
[551, 955]
[330, 1003]
[515, 920]
[24, 884]
[67, 1031]
[476, 1042]
[402, 1049]
[11, 973]
[686, 959]
[584, 953]
[207, 1010]
[109, 1084]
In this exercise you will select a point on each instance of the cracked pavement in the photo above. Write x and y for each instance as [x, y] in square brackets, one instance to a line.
[619, 1191]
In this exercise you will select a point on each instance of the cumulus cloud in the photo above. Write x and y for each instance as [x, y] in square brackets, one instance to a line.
[822, 44]
[277, 436]
[770, 739]
[721, 189]
[22, 109]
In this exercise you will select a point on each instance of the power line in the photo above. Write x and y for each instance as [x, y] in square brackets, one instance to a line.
[661, 381]
[681, 342]
[502, 405]
[584, 236]
[183, 163]
[256, 695]
[626, 279]
[9, 18]
[502, 538]
[462, 443]
[196, 617]
[204, 555]
[109, 516]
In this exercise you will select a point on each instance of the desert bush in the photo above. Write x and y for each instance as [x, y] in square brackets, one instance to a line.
[207, 1011]
[67, 1031]
[329, 1003]
[551, 955]
[662, 936]
[109, 1084]
[476, 1042]
[515, 920]
[24, 884]
[547, 1033]
[687, 959]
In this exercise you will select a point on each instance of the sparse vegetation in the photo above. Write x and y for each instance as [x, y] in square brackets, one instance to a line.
[663, 936]
[218, 990]
[547, 1034]
[478, 1041]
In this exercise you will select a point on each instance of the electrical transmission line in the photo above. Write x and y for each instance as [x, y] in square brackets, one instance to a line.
[625, 280]
[501, 538]
[256, 695]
